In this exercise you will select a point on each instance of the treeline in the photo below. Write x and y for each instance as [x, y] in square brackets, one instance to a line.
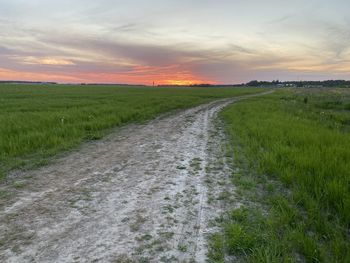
[277, 83]
[325, 83]
[25, 82]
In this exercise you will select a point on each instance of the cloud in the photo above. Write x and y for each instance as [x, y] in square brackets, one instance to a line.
[5, 51]
[281, 19]
[337, 39]
[6, 74]
[46, 61]
[96, 41]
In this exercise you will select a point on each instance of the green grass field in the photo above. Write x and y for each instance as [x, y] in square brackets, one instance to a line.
[293, 151]
[39, 121]
[291, 148]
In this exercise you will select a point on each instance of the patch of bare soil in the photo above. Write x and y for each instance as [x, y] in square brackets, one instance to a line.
[146, 193]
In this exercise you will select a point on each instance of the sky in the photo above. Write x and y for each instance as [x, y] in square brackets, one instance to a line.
[174, 41]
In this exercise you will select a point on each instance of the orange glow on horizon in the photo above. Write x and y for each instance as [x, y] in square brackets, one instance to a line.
[147, 75]
[183, 82]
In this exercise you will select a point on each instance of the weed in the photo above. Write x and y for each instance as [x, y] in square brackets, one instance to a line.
[196, 164]
[146, 237]
[182, 248]
[123, 259]
[19, 184]
[138, 222]
[169, 208]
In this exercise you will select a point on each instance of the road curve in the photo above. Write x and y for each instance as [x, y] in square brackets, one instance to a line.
[145, 193]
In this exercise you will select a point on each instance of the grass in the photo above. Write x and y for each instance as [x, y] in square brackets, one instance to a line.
[293, 151]
[40, 121]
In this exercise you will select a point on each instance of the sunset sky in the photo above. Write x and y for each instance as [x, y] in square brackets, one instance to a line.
[174, 41]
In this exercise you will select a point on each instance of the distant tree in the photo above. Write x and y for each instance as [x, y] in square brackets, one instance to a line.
[253, 83]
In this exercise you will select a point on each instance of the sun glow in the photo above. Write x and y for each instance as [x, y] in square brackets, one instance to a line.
[182, 82]
[186, 79]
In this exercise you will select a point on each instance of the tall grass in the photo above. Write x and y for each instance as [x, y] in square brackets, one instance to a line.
[38, 121]
[305, 145]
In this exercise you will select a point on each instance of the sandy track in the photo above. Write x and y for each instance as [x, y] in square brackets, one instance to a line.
[140, 194]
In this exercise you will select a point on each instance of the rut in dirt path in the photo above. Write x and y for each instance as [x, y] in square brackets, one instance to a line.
[140, 194]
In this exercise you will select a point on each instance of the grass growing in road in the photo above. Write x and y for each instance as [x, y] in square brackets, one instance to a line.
[293, 147]
[39, 121]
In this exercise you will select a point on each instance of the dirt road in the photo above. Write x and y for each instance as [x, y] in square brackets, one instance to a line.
[145, 193]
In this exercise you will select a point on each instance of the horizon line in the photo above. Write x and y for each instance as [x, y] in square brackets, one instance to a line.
[160, 85]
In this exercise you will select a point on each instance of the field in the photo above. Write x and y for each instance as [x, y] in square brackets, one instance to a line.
[293, 153]
[264, 177]
[136, 195]
[39, 121]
